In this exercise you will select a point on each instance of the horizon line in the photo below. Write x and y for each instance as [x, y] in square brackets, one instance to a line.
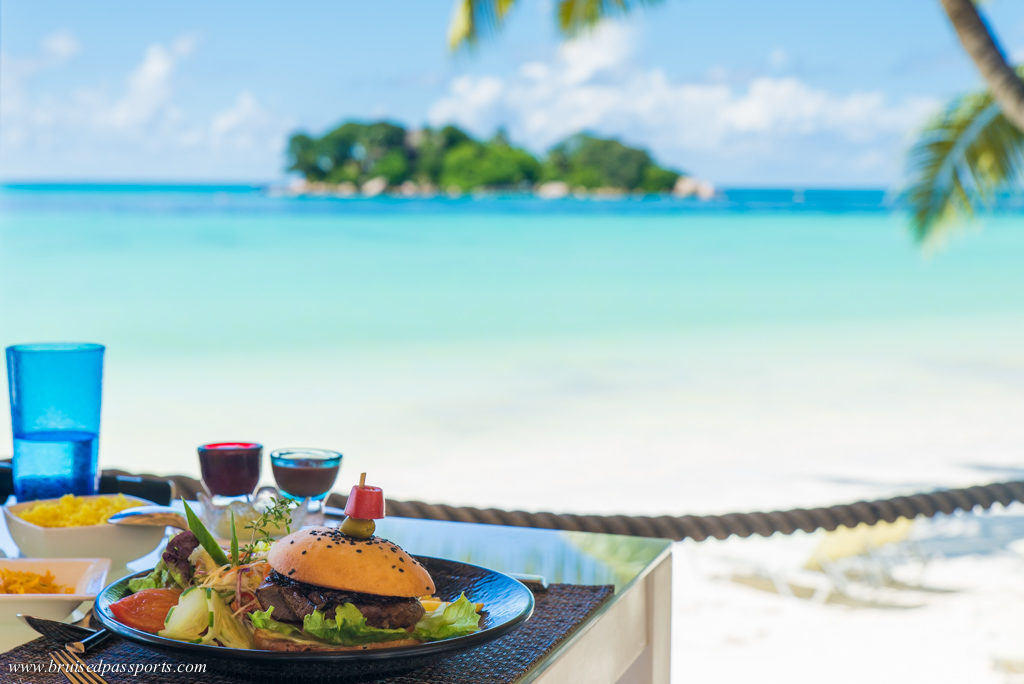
[9, 183]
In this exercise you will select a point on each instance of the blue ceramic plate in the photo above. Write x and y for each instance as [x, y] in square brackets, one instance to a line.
[507, 604]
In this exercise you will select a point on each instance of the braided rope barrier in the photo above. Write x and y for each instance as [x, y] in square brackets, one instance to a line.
[701, 527]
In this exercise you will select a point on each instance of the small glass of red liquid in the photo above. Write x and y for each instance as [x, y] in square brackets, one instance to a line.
[230, 469]
[305, 473]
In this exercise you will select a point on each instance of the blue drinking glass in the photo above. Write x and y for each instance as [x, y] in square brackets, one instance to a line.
[55, 417]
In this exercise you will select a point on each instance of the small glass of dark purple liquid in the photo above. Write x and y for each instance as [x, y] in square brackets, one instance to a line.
[302, 473]
[230, 469]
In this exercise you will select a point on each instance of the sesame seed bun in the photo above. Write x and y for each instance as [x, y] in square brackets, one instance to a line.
[327, 558]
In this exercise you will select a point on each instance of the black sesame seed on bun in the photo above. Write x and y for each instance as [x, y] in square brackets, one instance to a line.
[342, 564]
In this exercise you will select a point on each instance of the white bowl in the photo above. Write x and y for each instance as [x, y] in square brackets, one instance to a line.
[120, 543]
[86, 576]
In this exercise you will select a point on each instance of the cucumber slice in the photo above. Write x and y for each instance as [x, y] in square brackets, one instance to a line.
[187, 620]
[225, 628]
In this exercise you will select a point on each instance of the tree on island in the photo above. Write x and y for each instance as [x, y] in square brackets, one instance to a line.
[494, 164]
[450, 159]
[432, 145]
[349, 152]
[590, 162]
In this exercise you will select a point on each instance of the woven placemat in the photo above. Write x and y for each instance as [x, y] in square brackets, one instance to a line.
[558, 612]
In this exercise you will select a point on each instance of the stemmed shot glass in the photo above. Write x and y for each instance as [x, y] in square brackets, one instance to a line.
[231, 470]
[306, 474]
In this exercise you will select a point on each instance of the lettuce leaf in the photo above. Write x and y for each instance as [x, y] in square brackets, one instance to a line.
[261, 619]
[456, 619]
[348, 628]
[176, 553]
[163, 576]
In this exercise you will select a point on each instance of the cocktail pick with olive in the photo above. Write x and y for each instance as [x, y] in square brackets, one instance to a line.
[365, 504]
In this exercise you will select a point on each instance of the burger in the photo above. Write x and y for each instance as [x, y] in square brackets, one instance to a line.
[330, 591]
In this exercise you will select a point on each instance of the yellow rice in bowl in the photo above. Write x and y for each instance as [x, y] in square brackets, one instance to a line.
[75, 511]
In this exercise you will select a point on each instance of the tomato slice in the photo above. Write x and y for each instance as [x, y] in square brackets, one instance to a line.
[146, 609]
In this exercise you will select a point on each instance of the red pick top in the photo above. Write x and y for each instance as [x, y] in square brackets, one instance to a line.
[365, 502]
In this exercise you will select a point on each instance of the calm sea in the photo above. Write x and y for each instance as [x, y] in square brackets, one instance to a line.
[205, 269]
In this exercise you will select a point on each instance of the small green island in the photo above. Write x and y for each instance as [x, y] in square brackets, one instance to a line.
[370, 159]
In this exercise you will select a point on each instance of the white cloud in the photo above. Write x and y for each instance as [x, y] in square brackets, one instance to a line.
[599, 53]
[148, 88]
[11, 92]
[54, 50]
[185, 44]
[788, 106]
[145, 99]
[227, 122]
[144, 120]
[594, 84]
[61, 45]
[240, 126]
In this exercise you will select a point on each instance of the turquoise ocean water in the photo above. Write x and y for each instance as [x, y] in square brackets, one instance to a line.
[157, 269]
[427, 311]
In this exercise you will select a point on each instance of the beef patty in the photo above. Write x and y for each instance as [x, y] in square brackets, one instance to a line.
[294, 600]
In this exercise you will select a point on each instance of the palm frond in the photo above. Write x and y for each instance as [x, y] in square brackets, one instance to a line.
[577, 15]
[473, 18]
[961, 160]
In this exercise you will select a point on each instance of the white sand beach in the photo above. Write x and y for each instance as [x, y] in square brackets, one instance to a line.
[685, 424]
[960, 623]
[677, 427]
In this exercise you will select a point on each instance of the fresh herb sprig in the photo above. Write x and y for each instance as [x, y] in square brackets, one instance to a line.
[277, 515]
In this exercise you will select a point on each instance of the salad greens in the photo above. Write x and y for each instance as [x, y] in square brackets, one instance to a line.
[173, 570]
[275, 519]
[348, 626]
[261, 619]
[456, 619]
[163, 576]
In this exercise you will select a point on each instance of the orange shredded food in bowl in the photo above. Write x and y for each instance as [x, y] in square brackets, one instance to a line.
[22, 582]
[75, 511]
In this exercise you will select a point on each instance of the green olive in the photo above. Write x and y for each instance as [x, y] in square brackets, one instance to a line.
[358, 528]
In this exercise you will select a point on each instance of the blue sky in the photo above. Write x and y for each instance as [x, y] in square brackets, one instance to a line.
[804, 93]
